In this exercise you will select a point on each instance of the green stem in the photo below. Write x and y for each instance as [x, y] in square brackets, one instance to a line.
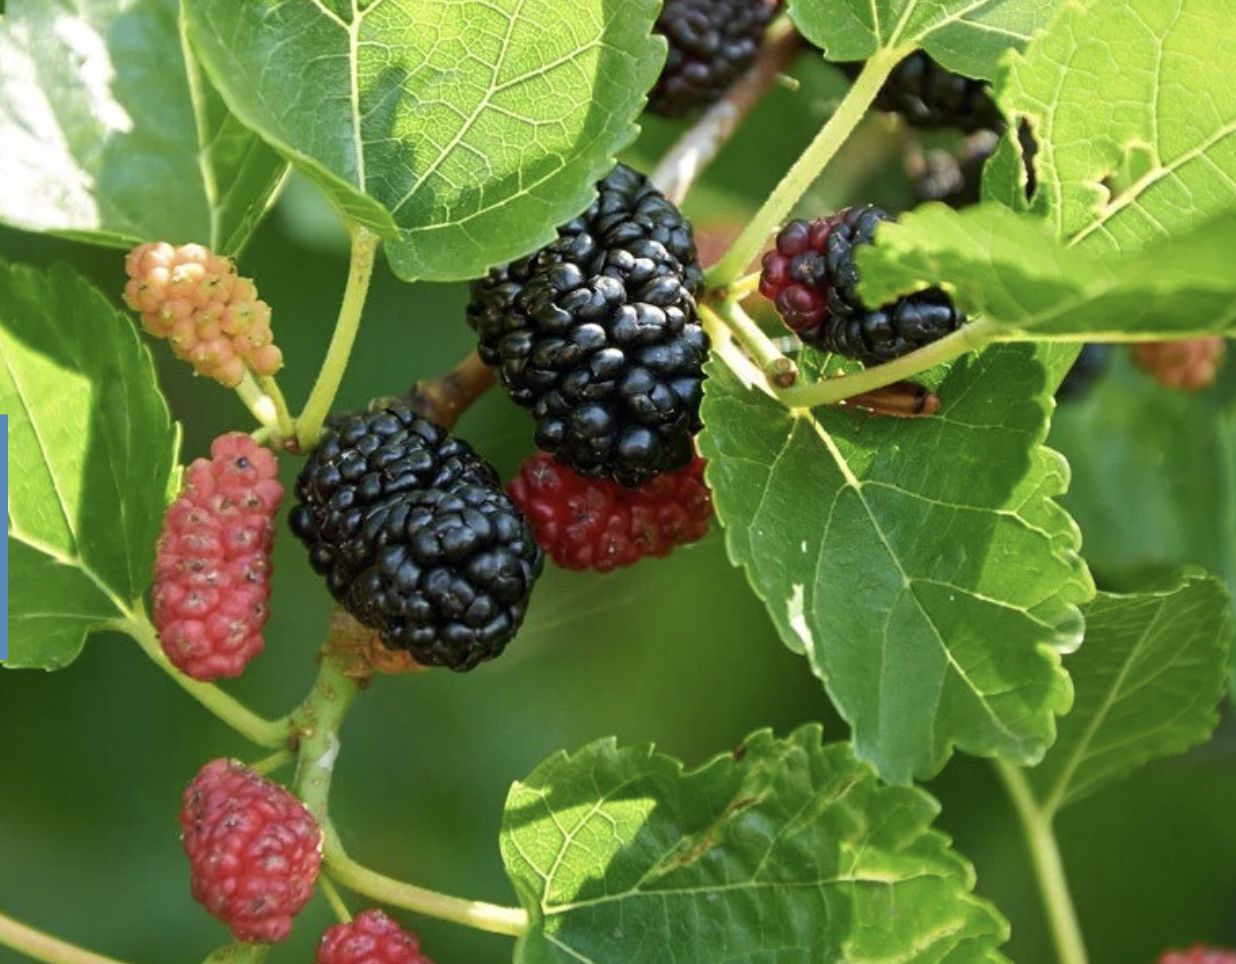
[833, 390]
[257, 400]
[807, 168]
[317, 724]
[1049, 870]
[360, 270]
[512, 921]
[777, 368]
[276, 761]
[44, 947]
[332, 897]
[263, 732]
[283, 417]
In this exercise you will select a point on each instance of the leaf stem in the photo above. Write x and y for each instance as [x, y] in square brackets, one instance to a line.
[495, 919]
[1049, 869]
[694, 151]
[808, 167]
[360, 271]
[263, 732]
[44, 947]
[833, 390]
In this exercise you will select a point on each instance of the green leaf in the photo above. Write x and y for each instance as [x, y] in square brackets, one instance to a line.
[921, 565]
[53, 607]
[463, 133]
[783, 851]
[967, 36]
[1012, 269]
[1135, 117]
[1172, 454]
[112, 135]
[1148, 683]
[91, 451]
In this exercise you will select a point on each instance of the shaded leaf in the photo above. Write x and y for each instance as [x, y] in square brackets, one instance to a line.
[1148, 683]
[922, 566]
[784, 851]
[91, 451]
[463, 133]
[1171, 454]
[1135, 117]
[967, 36]
[111, 135]
[1012, 269]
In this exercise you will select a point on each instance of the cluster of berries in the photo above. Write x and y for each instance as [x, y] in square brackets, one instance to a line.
[212, 319]
[415, 536]
[597, 334]
[812, 278]
[212, 561]
[254, 854]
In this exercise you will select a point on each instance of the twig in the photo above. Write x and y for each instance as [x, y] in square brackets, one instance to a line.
[445, 398]
[696, 148]
[44, 947]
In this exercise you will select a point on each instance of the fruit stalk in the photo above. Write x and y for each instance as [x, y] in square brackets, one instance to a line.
[780, 370]
[322, 397]
[512, 921]
[44, 947]
[256, 729]
[807, 168]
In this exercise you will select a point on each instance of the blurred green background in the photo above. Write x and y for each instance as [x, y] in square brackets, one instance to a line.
[676, 651]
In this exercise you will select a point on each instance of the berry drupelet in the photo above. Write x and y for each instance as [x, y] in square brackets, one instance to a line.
[597, 334]
[812, 278]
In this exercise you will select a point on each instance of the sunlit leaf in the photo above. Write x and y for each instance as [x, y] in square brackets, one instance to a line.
[785, 851]
[1135, 116]
[91, 450]
[463, 133]
[1012, 268]
[967, 36]
[922, 566]
[111, 134]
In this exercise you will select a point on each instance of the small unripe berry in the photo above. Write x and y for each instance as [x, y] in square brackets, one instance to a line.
[212, 564]
[212, 318]
[372, 938]
[254, 850]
